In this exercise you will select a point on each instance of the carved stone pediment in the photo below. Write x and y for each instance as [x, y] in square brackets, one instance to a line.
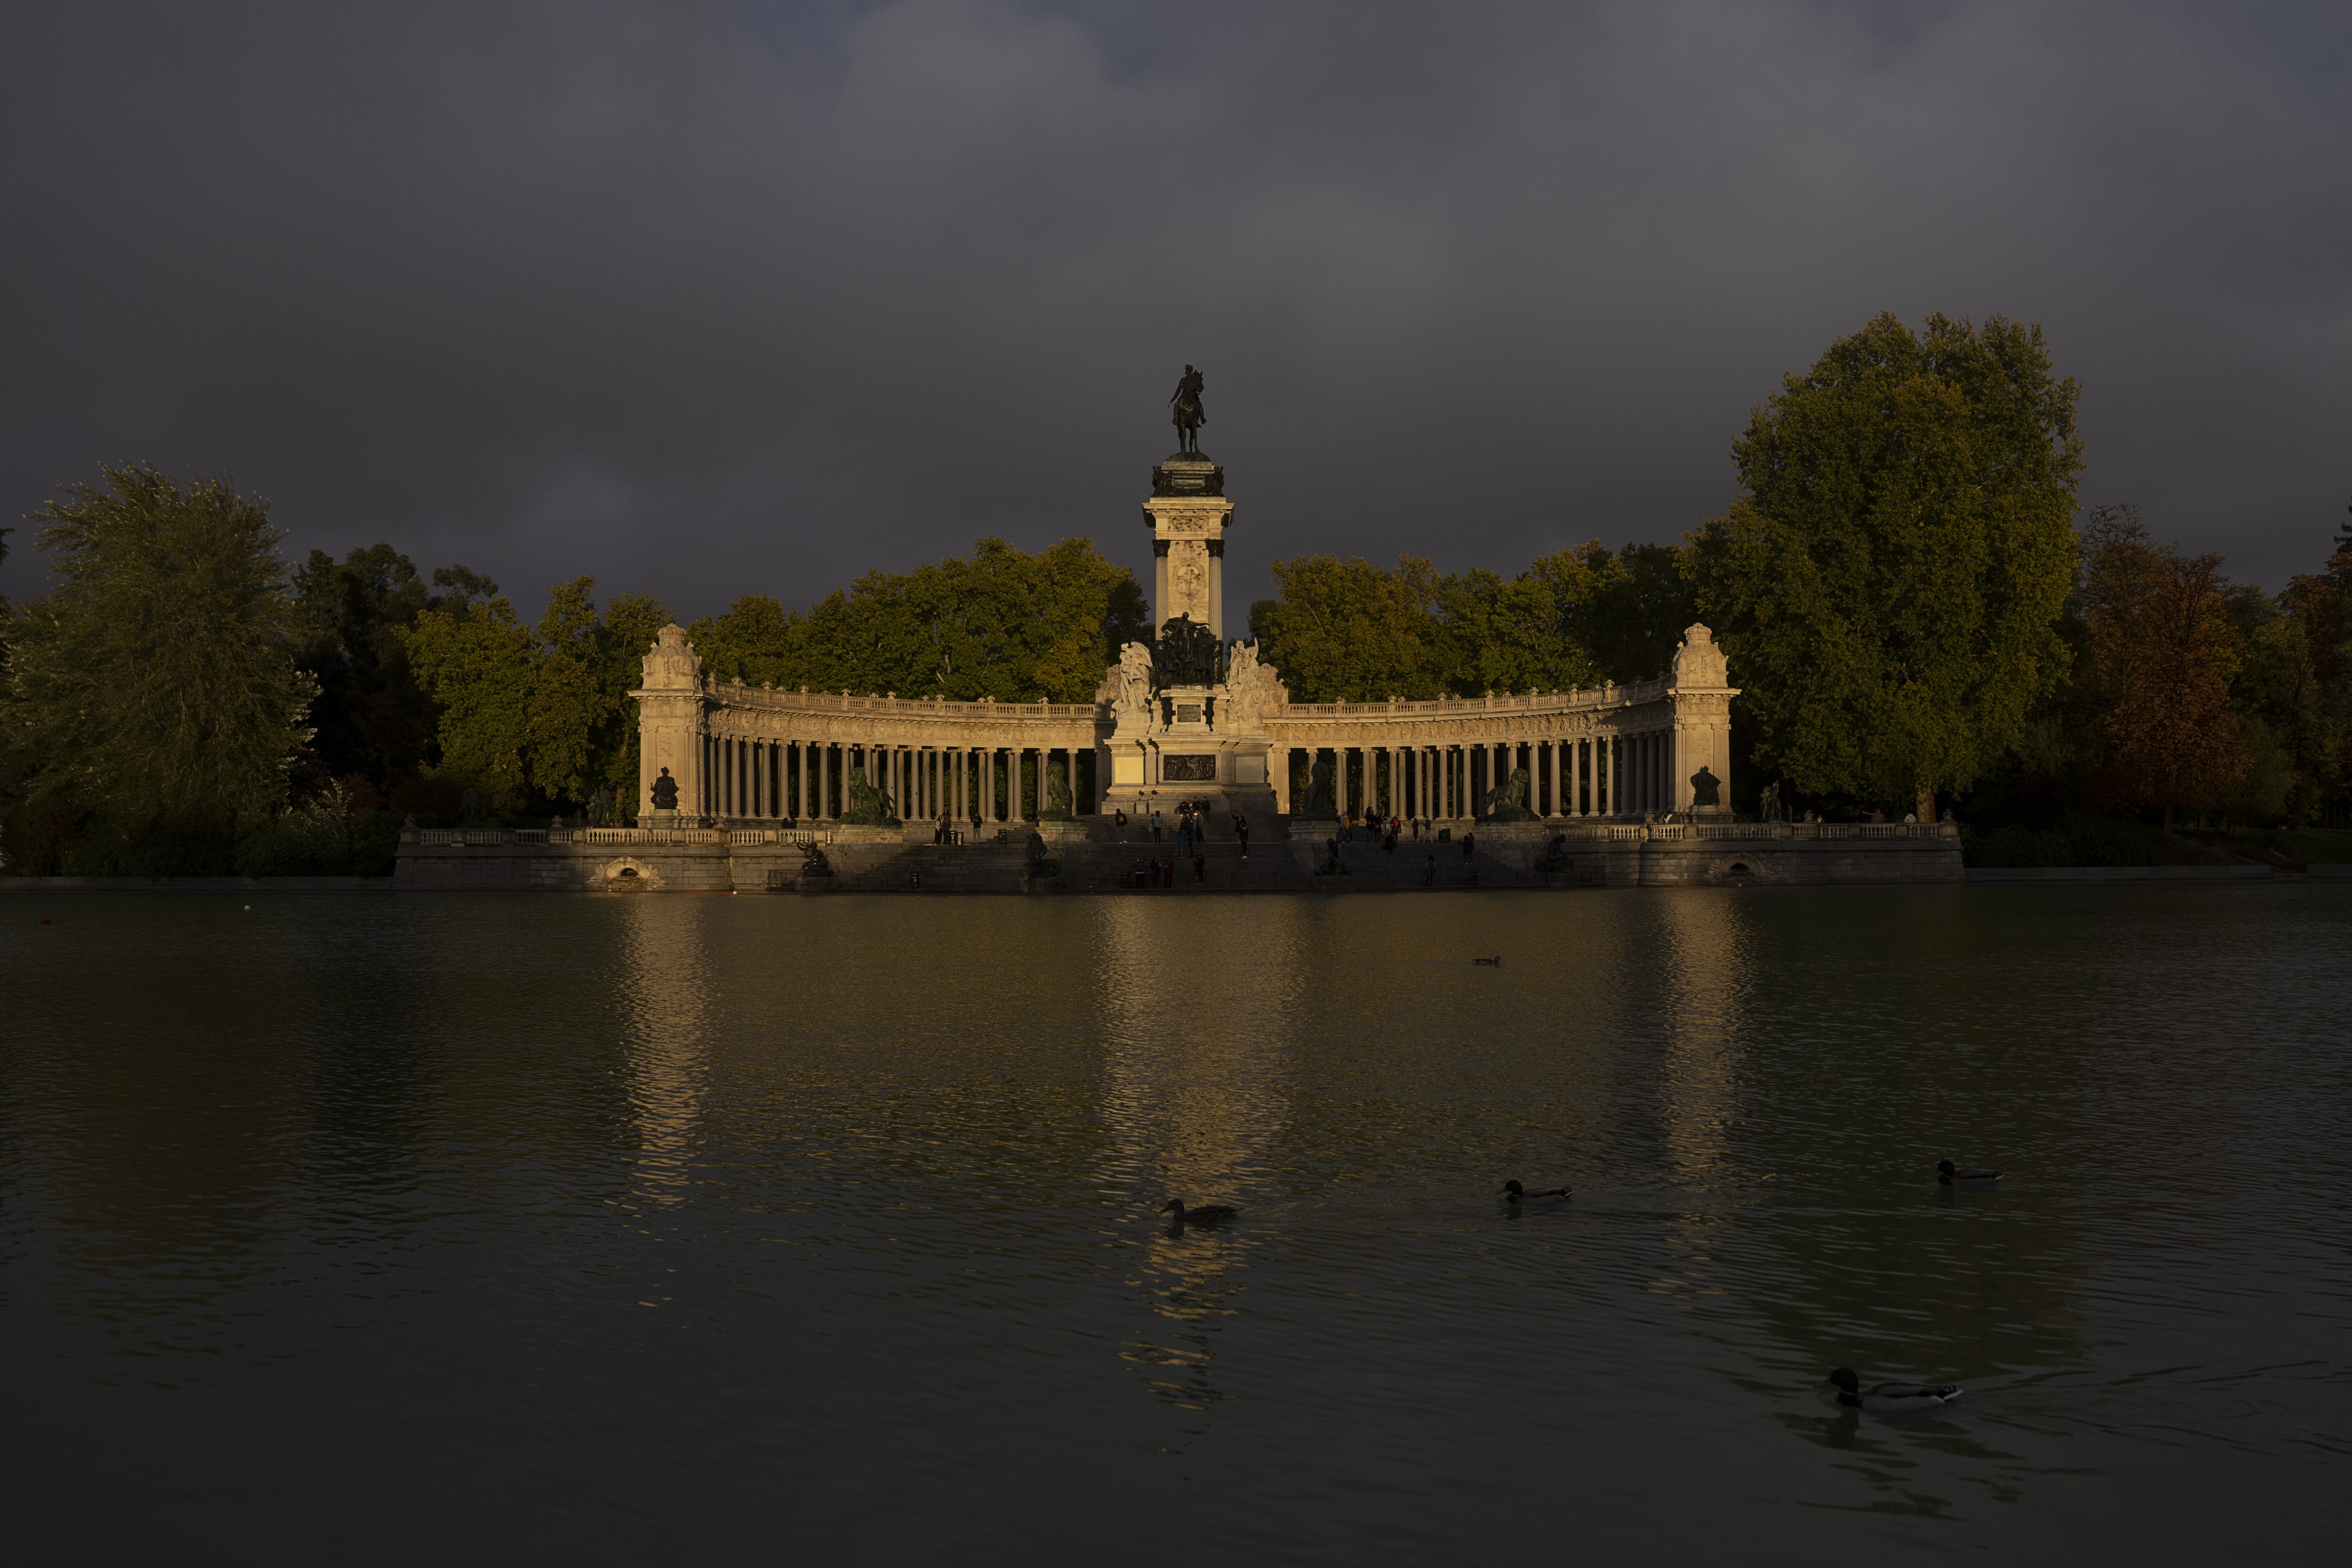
[672, 664]
[1699, 663]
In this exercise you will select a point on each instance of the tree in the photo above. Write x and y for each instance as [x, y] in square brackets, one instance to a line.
[480, 665]
[153, 691]
[1346, 631]
[1003, 623]
[2163, 649]
[1351, 631]
[1639, 606]
[2316, 684]
[1889, 584]
[535, 715]
[371, 718]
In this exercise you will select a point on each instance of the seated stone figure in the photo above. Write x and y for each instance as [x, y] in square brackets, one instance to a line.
[1057, 797]
[664, 793]
[1707, 789]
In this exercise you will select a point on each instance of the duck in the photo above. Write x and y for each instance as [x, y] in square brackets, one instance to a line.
[1494, 962]
[1952, 1174]
[1513, 1192]
[1207, 1214]
[1892, 1398]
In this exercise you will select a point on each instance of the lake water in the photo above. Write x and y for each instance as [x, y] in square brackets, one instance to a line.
[370, 1228]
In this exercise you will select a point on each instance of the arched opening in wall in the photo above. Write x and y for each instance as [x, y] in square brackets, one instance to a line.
[628, 870]
[1739, 870]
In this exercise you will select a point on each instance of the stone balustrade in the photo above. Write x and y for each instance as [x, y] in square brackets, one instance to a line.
[493, 838]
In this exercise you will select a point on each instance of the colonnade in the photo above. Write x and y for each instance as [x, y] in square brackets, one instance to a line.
[1591, 776]
[773, 779]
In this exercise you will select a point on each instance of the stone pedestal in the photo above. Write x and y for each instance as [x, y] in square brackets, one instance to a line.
[1188, 515]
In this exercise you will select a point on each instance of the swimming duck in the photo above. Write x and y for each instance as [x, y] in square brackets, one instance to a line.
[1207, 1214]
[1892, 1398]
[1513, 1192]
[1494, 963]
[1952, 1174]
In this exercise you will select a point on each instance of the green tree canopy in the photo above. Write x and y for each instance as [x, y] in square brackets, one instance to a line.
[1346, 631]
[155, 687]
[534, 717]
[372, 719]
[1002, 623]
[1889, 585]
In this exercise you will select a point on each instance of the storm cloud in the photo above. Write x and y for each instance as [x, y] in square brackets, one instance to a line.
[706, 300]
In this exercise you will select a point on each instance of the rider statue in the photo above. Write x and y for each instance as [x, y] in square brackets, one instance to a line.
[1186, 404]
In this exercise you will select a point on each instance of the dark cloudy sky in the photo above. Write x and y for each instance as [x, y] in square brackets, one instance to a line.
[707, 299]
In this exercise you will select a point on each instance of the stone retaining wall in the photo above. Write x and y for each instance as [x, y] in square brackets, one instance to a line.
[1089, 856]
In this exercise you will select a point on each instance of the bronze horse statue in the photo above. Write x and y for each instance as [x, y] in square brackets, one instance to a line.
[1186, 405]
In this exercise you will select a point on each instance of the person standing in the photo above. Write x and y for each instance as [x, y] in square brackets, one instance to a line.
[1155, 825]
[1429, 871]
[1241, 831]
[1200, 867]
[1168, 871]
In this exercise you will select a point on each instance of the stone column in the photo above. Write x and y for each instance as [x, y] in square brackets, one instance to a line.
[1070, 761]
[1013, 754]
[1216, 594]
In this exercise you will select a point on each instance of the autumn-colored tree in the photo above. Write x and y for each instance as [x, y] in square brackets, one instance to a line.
[2314, 684]
[1889, 585]
[2163, 649]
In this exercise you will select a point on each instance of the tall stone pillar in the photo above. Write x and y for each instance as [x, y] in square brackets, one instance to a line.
[1188, 515]
[1699, 692]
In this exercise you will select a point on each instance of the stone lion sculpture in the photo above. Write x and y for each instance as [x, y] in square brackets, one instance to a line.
[1507, 801]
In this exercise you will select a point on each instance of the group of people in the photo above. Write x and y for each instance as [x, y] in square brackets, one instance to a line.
[1385, 830]
[1161, 871]
[1191, 830]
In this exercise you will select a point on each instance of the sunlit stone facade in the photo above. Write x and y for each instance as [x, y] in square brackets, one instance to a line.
[744, 755]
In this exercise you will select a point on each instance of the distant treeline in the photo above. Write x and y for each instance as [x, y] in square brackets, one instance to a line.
[1917, 610]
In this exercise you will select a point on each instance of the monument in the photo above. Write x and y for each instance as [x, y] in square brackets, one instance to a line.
[741, 788]
[1189, 710]
[1191, 715]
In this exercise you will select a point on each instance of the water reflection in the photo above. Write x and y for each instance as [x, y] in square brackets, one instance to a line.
[353, 1171]
[1197, 1023]
[665, 997]
[1707, 955]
